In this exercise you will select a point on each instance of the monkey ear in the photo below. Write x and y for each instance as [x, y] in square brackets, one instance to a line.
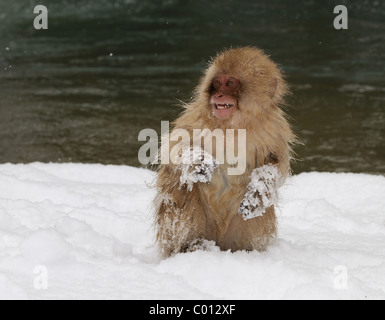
[273, 88]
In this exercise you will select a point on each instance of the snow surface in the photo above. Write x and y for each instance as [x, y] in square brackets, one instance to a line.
[90, 226]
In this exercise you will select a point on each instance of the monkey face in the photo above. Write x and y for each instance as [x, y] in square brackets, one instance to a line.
[239, 86]
[224, 95]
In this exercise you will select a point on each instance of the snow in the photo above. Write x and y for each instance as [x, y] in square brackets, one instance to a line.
[55, 247]
[91, 228]
[261, 192]
[196, 165]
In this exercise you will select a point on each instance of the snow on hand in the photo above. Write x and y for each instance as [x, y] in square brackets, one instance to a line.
[196, 166]
[91, 227]
[261, 192]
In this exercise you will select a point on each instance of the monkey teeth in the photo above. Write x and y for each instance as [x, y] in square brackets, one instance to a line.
[223, 106]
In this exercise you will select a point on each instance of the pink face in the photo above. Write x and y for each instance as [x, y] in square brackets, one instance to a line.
[224, 96]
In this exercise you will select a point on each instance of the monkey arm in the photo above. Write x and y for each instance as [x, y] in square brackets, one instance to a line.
[196, 166]
[261, 192]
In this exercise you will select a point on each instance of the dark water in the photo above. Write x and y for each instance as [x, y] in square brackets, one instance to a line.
[83, 89]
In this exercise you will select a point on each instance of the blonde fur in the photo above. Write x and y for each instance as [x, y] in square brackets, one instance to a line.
[210, 210]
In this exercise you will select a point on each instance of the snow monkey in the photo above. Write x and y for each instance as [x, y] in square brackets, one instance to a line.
[199, 201]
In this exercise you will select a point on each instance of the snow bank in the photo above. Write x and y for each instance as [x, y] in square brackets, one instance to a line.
[74, 231]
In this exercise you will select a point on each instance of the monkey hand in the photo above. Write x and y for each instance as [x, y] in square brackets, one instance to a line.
[261, 192]
[197, 166]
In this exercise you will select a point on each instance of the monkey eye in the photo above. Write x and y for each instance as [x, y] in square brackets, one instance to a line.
[230, 83]
[217, 83]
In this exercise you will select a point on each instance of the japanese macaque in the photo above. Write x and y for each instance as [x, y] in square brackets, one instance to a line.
[200, 201]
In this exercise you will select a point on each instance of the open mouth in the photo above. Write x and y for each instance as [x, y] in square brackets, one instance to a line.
[222, 106]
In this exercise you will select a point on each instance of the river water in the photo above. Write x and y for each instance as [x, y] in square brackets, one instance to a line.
[82, 90]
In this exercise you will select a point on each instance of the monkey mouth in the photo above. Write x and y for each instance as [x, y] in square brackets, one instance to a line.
[223, 110]
[222, 106]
